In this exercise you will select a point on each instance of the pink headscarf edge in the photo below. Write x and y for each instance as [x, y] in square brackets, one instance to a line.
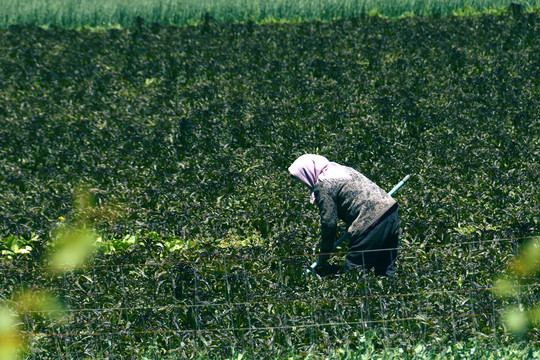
[312, 168]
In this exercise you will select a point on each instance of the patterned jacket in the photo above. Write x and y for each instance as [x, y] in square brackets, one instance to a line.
[357, 201]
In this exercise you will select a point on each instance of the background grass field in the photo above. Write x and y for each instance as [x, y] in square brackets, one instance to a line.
[105, 13]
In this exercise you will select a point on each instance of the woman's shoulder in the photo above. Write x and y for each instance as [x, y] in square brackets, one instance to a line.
[353, 172]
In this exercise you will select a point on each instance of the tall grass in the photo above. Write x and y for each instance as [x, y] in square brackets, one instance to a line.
[77, 13]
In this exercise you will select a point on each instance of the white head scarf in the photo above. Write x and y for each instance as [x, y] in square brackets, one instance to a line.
[310, 169]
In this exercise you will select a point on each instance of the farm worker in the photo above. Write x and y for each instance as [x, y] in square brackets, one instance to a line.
[371, 215]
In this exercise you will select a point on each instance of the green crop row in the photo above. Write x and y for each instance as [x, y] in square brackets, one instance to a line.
[103, 13]
[145, 301]
[369, 349]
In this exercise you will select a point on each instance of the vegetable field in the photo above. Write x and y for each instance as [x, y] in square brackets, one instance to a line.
[180, 138]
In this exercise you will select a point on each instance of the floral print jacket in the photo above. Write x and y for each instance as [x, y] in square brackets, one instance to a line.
[357, 201]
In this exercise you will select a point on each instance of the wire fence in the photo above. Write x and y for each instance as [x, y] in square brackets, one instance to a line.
[129, 307]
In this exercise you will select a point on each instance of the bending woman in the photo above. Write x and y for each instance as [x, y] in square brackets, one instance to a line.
[371, 215]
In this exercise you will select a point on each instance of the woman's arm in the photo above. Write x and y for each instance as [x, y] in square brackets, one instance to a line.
[329, 219]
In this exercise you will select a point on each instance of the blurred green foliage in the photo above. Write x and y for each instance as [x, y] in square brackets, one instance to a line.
[522, 272]
[10, 343]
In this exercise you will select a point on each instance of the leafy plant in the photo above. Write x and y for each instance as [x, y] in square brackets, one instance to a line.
[14, 246]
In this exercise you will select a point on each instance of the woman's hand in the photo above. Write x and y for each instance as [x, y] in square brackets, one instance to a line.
[325, 269]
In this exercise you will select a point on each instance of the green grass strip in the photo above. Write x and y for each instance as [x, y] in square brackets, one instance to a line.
[106, 13]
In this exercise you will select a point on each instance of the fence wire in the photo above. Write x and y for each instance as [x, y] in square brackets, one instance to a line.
[263, 305]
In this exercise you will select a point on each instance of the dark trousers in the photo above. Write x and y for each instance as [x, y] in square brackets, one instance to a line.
[378, 247]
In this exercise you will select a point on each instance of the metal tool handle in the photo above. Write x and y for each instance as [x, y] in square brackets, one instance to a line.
[400, 184]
